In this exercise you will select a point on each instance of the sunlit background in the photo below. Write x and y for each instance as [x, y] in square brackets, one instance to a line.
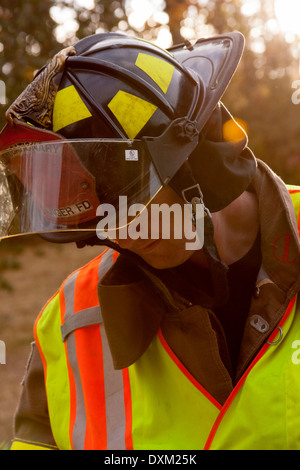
[276, 16]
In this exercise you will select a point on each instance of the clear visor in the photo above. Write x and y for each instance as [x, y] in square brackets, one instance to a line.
[60, 186]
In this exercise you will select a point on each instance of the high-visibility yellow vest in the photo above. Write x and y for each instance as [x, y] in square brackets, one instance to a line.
[155, 403]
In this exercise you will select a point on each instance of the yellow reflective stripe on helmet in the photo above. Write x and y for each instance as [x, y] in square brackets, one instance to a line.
[49, 339]
[159, 70]
[28, 445]
[68, 108]
[132, 112]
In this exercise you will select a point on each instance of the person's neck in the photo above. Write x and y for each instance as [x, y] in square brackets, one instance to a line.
[236, 227]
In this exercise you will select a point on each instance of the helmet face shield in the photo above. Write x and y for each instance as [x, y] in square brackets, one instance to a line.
[59, 186]
[118, 118]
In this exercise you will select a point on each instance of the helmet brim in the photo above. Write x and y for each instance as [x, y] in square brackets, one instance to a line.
[47, 186]
[214, 60]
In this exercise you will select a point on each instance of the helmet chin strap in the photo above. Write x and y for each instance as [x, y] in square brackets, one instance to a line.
[185, 185]
[218, 269]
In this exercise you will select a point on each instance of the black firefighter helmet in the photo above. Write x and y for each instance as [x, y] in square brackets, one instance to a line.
[115, 115]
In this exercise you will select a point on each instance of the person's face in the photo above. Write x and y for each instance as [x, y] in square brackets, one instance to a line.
[159, 252]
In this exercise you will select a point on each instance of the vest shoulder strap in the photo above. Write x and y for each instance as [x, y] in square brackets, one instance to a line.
[81, 296]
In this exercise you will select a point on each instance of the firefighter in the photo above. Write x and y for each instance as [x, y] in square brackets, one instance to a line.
[159, 342]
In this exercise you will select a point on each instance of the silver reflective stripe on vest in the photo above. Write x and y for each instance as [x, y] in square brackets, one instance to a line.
[106, 263]
[89, 316]
[114, 399]
[80, 422]
[113, 379]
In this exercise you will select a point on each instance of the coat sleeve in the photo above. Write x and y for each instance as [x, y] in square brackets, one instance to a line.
[32, 429]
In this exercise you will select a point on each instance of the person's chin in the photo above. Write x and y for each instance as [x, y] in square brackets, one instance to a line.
[159, 256]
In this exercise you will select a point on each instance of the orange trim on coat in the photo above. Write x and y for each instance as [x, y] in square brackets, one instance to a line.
[186, 372]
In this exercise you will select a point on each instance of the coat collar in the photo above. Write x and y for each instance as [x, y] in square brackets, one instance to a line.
[135, 305]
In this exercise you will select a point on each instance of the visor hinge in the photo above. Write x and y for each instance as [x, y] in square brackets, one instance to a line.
[194, 196]
[186, 130]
